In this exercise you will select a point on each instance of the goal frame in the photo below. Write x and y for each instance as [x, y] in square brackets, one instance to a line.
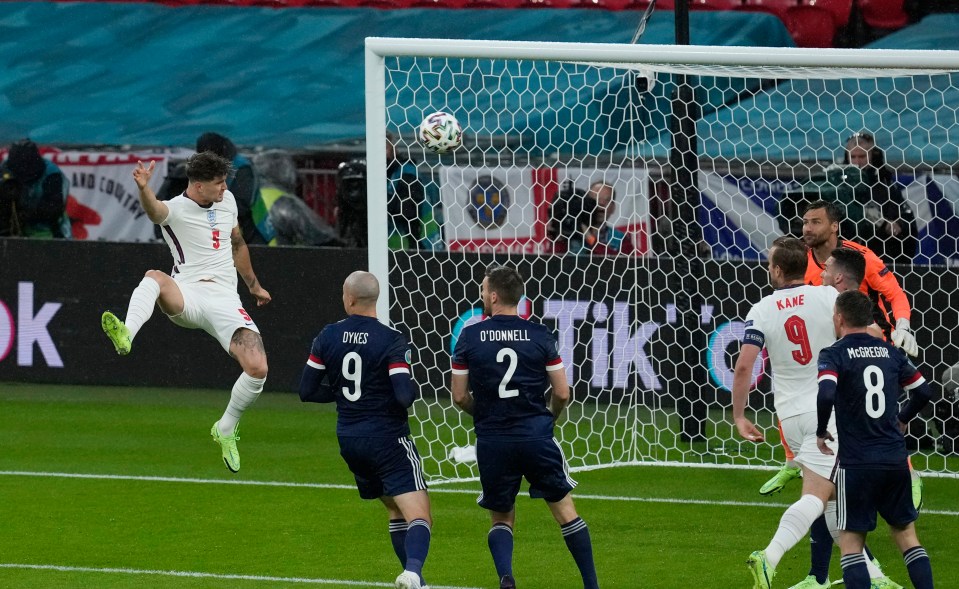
[877, 62]
[378, 48]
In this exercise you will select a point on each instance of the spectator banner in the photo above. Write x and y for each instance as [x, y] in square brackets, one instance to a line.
[490, 209]
[104, 200]
[499, 209]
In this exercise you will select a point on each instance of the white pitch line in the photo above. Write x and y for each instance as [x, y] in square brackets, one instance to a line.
[666, 500]
[199, 575]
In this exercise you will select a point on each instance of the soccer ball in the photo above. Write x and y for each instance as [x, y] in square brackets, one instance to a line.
[440, 132]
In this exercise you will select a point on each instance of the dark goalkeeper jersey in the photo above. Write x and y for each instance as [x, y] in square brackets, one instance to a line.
[869, 376]
[507, 359]
[358, 354]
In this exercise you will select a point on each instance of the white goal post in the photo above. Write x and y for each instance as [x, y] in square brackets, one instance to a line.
[647, 296]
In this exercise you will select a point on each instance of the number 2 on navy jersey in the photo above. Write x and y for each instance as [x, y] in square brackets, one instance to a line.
[507, 354]
[797, 334]
[352, 371]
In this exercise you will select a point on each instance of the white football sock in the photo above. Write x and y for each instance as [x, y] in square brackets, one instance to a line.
[832, 523]
[793, 526]
[142, 302]
[245, 391]
[874, 572]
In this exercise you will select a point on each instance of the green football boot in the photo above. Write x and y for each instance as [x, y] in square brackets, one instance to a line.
[810, 582]
[779, 480]
[231, 456]
[760, 569]
[117, 332]
[884, 583]
[916, 489]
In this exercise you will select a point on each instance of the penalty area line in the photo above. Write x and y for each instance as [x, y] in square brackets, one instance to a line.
[588, 497]
[201, 575]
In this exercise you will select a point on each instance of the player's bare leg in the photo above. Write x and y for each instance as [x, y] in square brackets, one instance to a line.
[576, 534]
[247, 347]
[415, 509]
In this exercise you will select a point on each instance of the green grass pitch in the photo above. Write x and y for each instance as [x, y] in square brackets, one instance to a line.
[151, 505]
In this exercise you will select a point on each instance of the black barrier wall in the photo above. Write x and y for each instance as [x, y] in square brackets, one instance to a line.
[52, 294]
[626, 305]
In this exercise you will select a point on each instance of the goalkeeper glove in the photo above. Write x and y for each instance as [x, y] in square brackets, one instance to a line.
[904, 339]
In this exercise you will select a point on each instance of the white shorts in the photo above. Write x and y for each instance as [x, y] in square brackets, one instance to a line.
[214, 308]
[800, 433]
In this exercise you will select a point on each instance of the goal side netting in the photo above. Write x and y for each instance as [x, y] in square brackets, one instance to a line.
[708, 155]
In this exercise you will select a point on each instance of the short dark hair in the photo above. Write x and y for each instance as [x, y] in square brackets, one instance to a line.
[506, 283]
[789, 253]
[855, 308]
[207, 166]
[850, 262]
[833, 212]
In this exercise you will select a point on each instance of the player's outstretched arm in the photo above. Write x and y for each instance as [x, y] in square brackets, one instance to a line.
[156, 210]
[460, 387]
[241, 259]
[741, 377]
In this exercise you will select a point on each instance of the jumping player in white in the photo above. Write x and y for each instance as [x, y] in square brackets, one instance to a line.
[200, 292]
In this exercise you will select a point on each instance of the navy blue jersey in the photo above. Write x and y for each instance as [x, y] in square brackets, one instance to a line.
[358, 355]
[869, 376]
[507, 359]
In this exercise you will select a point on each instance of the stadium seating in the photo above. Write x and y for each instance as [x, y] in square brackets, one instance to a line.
[610, 4]
[883, 14]
[702, 4]
[812, 24]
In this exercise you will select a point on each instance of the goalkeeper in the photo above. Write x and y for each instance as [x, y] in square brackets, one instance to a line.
[892, 310]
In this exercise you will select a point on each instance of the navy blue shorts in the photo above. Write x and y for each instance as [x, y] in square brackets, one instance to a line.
[862, 493]
[503, 464]
[383, 466]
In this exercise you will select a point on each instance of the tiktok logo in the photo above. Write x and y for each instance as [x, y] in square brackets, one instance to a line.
[28, 329]
[720, 340]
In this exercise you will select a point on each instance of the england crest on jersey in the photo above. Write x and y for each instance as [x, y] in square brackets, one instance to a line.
[211, 217]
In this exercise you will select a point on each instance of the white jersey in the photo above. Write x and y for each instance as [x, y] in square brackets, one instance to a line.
[793, 324]
[199, 239]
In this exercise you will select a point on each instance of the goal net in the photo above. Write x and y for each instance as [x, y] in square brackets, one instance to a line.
[637, 189]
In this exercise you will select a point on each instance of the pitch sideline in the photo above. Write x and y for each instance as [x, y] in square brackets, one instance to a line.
[666, 500]
[199, 575]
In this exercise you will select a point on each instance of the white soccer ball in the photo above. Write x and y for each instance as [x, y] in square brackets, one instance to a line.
[440, 132]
